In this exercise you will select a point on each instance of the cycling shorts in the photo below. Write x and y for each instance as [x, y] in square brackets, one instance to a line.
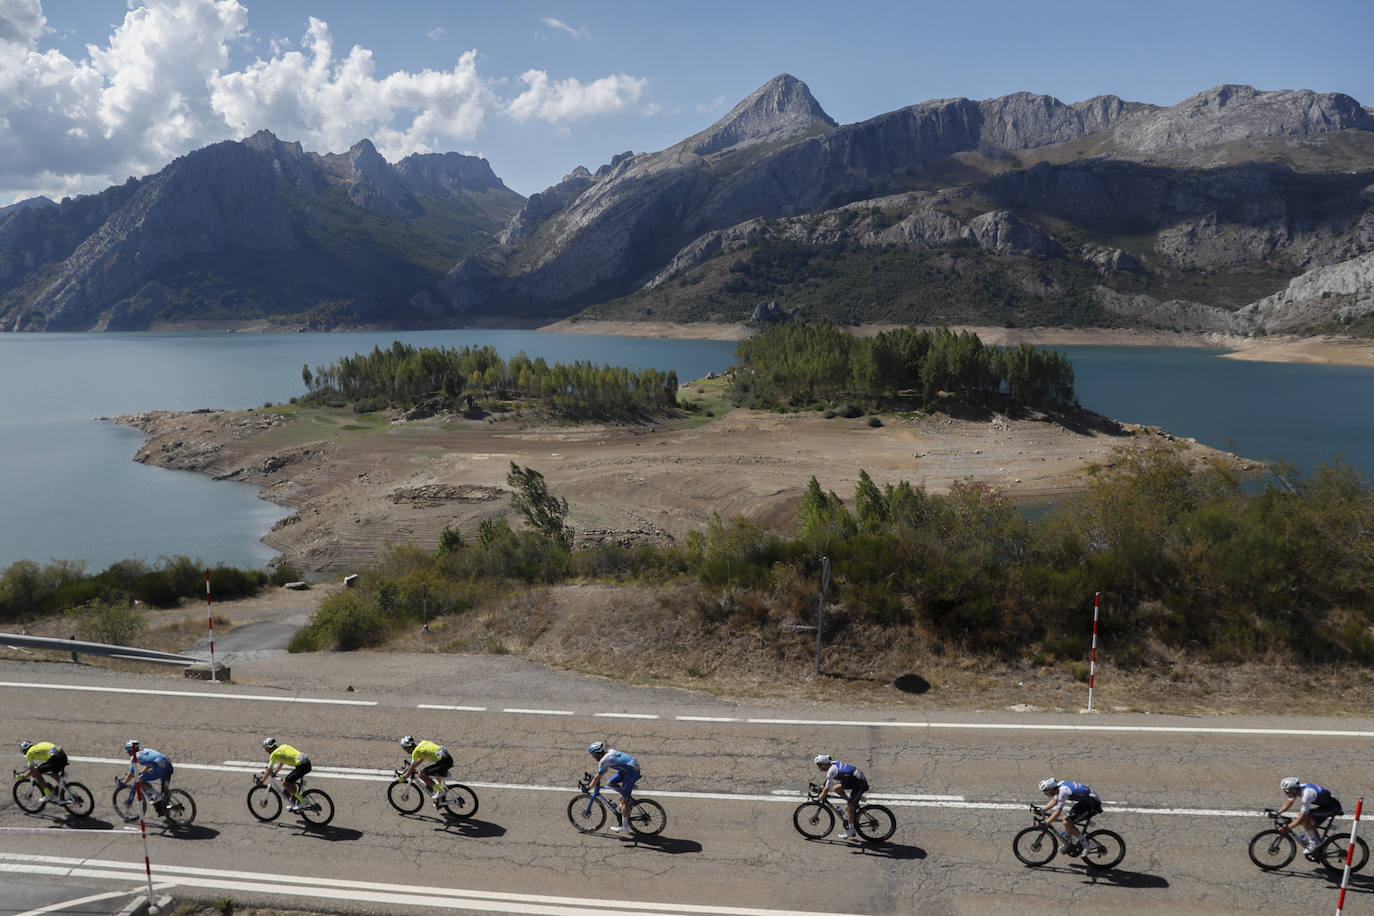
[54, 764]
[163, 773]
[1324, 809]
[1085, 808]
[441, 766]
[856, 790]
[296, 775]
[624, 781]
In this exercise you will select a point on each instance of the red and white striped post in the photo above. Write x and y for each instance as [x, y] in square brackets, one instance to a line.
[143, 829]
[1092, 659]
[210, 616]
[1349, 853]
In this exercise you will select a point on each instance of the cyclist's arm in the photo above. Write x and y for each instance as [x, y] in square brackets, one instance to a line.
[1286, 805]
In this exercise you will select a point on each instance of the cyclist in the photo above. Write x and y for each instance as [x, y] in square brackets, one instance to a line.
[1318, 806]
[278, 756]
[440, 762]
[849, 778]
[1062, 793]
[156, 765]
[626, 775]
[44, 757]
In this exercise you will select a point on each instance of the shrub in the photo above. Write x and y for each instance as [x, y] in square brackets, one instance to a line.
[115, 624]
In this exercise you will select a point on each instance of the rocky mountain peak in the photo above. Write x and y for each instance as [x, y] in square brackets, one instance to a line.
[782, 107]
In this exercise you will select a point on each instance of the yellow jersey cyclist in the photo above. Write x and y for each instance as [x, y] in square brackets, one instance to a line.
[439, 761]
[281, 755]
[44, 757]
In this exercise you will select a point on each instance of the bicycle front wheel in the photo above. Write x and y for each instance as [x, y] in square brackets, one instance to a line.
[28, 796]
[647, 817]
[127, 804]
[1035, 845]
[1272, 850]
[875, 823]
[458, 800]
[813, 820]
[180, 808]
[80, 801]
[586, 816]
[1333, 851]
[318, 808]
[404, 797]
[263, 803]
[1110, 855]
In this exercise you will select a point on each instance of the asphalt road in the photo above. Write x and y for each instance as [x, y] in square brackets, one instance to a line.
[1184, 792]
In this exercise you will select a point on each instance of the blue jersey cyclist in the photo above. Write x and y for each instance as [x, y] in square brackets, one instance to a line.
[1063, 793]
[625, 774]
[156, 766]
[847, 777]
[1316, 805]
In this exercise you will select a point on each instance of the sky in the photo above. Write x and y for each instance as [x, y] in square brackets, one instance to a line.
[93, 92]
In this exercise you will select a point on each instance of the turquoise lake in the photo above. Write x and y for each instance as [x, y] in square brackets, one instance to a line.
[71, 490]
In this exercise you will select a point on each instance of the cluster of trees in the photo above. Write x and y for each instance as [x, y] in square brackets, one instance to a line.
[403, 375]
[1188, 558]
[801, 363]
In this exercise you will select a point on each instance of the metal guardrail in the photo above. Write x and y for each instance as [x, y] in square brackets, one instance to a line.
[79, 647]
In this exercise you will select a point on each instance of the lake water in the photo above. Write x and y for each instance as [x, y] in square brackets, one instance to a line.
[70, 489]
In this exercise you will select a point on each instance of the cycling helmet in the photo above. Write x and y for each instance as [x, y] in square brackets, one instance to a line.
[408, 742]
[24, 747]
[130, 746]
[1289, 784]
[269, 743]
[596, 748]
[1049, 784]
[822, 760]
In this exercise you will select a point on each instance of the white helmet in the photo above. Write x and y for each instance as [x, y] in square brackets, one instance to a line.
[823, 760]
[408, 742]
[269, 744]
[1049, 784]
[1289, 784]
[596, 748]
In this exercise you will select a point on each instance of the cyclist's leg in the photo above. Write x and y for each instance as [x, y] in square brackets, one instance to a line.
[292, 782]
[852, 805]
[433, 775]
[624, 783]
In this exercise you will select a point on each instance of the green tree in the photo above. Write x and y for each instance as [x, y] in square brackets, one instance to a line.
[543, 511]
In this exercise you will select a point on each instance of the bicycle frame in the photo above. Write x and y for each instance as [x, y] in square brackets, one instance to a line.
[277, 785]
[59, 781]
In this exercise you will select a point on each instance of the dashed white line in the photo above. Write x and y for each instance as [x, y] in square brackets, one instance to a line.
[624, 715]
[540, 712]
[455, 708]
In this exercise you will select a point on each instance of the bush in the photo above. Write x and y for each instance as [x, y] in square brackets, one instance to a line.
[115, 624]
[874, 422]
[850, 411]
[346, 621]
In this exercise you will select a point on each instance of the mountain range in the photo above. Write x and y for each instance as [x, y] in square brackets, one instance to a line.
[1235, 210]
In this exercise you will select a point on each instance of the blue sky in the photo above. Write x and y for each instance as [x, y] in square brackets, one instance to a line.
[94, 91]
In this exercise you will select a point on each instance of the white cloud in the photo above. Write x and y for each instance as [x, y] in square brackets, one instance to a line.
[21, 22]
[435, 33]
[581, 34]
[570, 99]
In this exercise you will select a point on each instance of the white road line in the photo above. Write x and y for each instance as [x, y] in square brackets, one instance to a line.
[624, 715]
[540, 712]
[189, 693]
[706, 719]
[456, 708]
[68, 904]
[367, 891]
[1031, 726]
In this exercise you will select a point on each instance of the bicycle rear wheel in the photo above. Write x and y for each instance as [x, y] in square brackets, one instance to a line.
[875, 823]
[1272, 850]
[1112, 852]
[127, 803]
[28, 796]
[318, 808]
[1035, 845]
[263, 803]
[80, 801]
[813, 820]
[1333, 851]
[458, 800]
[647, 817]
[404, 797]
[180, 808]
[586, 819]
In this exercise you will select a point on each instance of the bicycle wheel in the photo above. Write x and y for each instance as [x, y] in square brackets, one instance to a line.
[1272, 850]
[28, 796]
[1035, 845]
[875, 823]
[127, 804]
[263, 803]
[404, 797]
[180, 808]
[647, 817]
[584, 819]
[80, 801]
[458, 800]
[813, 820]
[318, 808]
[1112, 852]
[1332, 853]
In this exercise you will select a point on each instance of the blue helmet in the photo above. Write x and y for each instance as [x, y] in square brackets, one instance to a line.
[597, 748]
[130, 746]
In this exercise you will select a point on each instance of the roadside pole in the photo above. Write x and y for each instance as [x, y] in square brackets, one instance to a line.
[820, 611]
[1349, 854]
[1092, 659]
[143, 829]
[210, 617]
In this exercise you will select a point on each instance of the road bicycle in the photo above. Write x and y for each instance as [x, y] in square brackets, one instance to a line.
[1273, 849]
[408, 795]
[1037, 844]
[178, 807]
[265, 801]
[815, 819]
[587, 811]
[73, 796]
